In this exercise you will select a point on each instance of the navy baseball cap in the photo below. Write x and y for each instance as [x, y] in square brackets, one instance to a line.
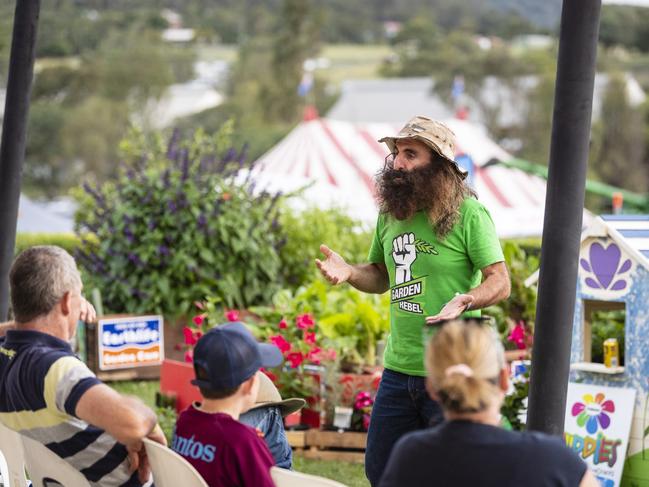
[230, 355]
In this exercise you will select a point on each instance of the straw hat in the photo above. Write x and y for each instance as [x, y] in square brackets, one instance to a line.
[268, 395]
[434, 134]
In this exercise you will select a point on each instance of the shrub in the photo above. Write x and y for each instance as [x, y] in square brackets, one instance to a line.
[306, 230]
[520, 308]
[176, 225]
[351, 321]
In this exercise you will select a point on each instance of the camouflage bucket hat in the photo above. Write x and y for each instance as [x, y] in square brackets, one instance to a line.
[434, 134]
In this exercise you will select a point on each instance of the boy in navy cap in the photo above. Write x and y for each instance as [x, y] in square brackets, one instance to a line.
[226, 452]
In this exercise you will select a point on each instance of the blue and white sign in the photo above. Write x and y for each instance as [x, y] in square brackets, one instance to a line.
[133, 341]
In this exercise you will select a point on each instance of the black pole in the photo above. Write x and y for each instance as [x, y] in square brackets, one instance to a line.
[564, 205]
[12, 147]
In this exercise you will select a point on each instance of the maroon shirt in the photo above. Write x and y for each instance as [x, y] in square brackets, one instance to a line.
[225, 452]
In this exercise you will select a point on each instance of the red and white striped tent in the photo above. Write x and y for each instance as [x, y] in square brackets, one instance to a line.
[339, 160]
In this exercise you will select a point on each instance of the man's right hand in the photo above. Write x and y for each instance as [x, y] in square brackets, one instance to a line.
[333, 268]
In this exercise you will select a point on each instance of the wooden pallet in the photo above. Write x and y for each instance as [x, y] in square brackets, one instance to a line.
[328, 445]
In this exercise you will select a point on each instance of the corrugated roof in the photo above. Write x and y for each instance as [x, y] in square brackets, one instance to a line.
[633, 232]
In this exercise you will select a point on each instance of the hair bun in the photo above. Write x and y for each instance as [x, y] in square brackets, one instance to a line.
[461, 369]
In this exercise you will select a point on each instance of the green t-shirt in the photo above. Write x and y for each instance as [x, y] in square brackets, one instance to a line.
[425, 273]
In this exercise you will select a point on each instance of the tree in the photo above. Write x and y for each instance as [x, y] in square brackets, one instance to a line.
[90, 137]
[537, 126]
[46, 169]
[295, 41]
[619, 142]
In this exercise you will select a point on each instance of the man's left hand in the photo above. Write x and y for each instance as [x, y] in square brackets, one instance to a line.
[451, 310]
[87, 312]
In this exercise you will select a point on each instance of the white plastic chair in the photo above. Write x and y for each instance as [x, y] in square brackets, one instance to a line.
[45, 467]
[170, 469]
[12, 459]
[290, 478]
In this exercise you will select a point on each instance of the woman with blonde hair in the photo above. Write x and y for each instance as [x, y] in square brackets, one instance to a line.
[468, 375]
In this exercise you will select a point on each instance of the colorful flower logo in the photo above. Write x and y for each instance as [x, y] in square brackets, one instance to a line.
[593, 411]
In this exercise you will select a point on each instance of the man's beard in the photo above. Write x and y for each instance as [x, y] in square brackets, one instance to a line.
[403, 193]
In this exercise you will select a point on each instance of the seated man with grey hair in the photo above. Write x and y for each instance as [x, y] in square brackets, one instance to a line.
[49, 395]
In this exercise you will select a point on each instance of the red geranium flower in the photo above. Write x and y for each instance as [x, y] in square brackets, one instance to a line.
[282, 324]
[198, 319]
[280, 342]
[296, 359]
[232, 315]
[190, 339]
[309, 337]
[304, 321]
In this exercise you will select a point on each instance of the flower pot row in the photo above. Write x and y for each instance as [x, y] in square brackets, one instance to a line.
[176, 377]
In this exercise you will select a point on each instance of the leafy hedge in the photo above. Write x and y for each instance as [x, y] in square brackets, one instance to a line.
[67, 241]
[306, 230]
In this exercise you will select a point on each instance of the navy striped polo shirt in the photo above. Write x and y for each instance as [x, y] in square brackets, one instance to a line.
[41, 382]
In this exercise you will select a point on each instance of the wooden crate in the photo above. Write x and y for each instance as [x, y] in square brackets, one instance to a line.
[329, 445]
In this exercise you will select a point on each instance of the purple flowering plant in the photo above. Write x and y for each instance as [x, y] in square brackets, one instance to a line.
[179, 223]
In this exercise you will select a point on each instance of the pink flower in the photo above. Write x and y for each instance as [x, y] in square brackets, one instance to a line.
[190, 339]
[315, 355]
[296, 359]
[198, 335]
[330, 354]
[309, 337]
[189, 356]
[517, 335]
[282, 324]
[280, 342]
[232, 315]
[198, 320]
[363, 400]
[304, 321]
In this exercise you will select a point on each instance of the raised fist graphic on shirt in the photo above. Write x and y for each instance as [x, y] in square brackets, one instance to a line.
[404, 254]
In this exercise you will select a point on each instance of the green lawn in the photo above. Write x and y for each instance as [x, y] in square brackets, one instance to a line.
[346, 61]
[349, 474]
[144, 389]
[351, 61]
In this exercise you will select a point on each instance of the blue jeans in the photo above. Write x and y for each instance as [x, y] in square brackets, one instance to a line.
[402, 405]
[270, 423]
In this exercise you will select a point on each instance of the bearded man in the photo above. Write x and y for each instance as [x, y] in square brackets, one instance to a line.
[435, 248]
